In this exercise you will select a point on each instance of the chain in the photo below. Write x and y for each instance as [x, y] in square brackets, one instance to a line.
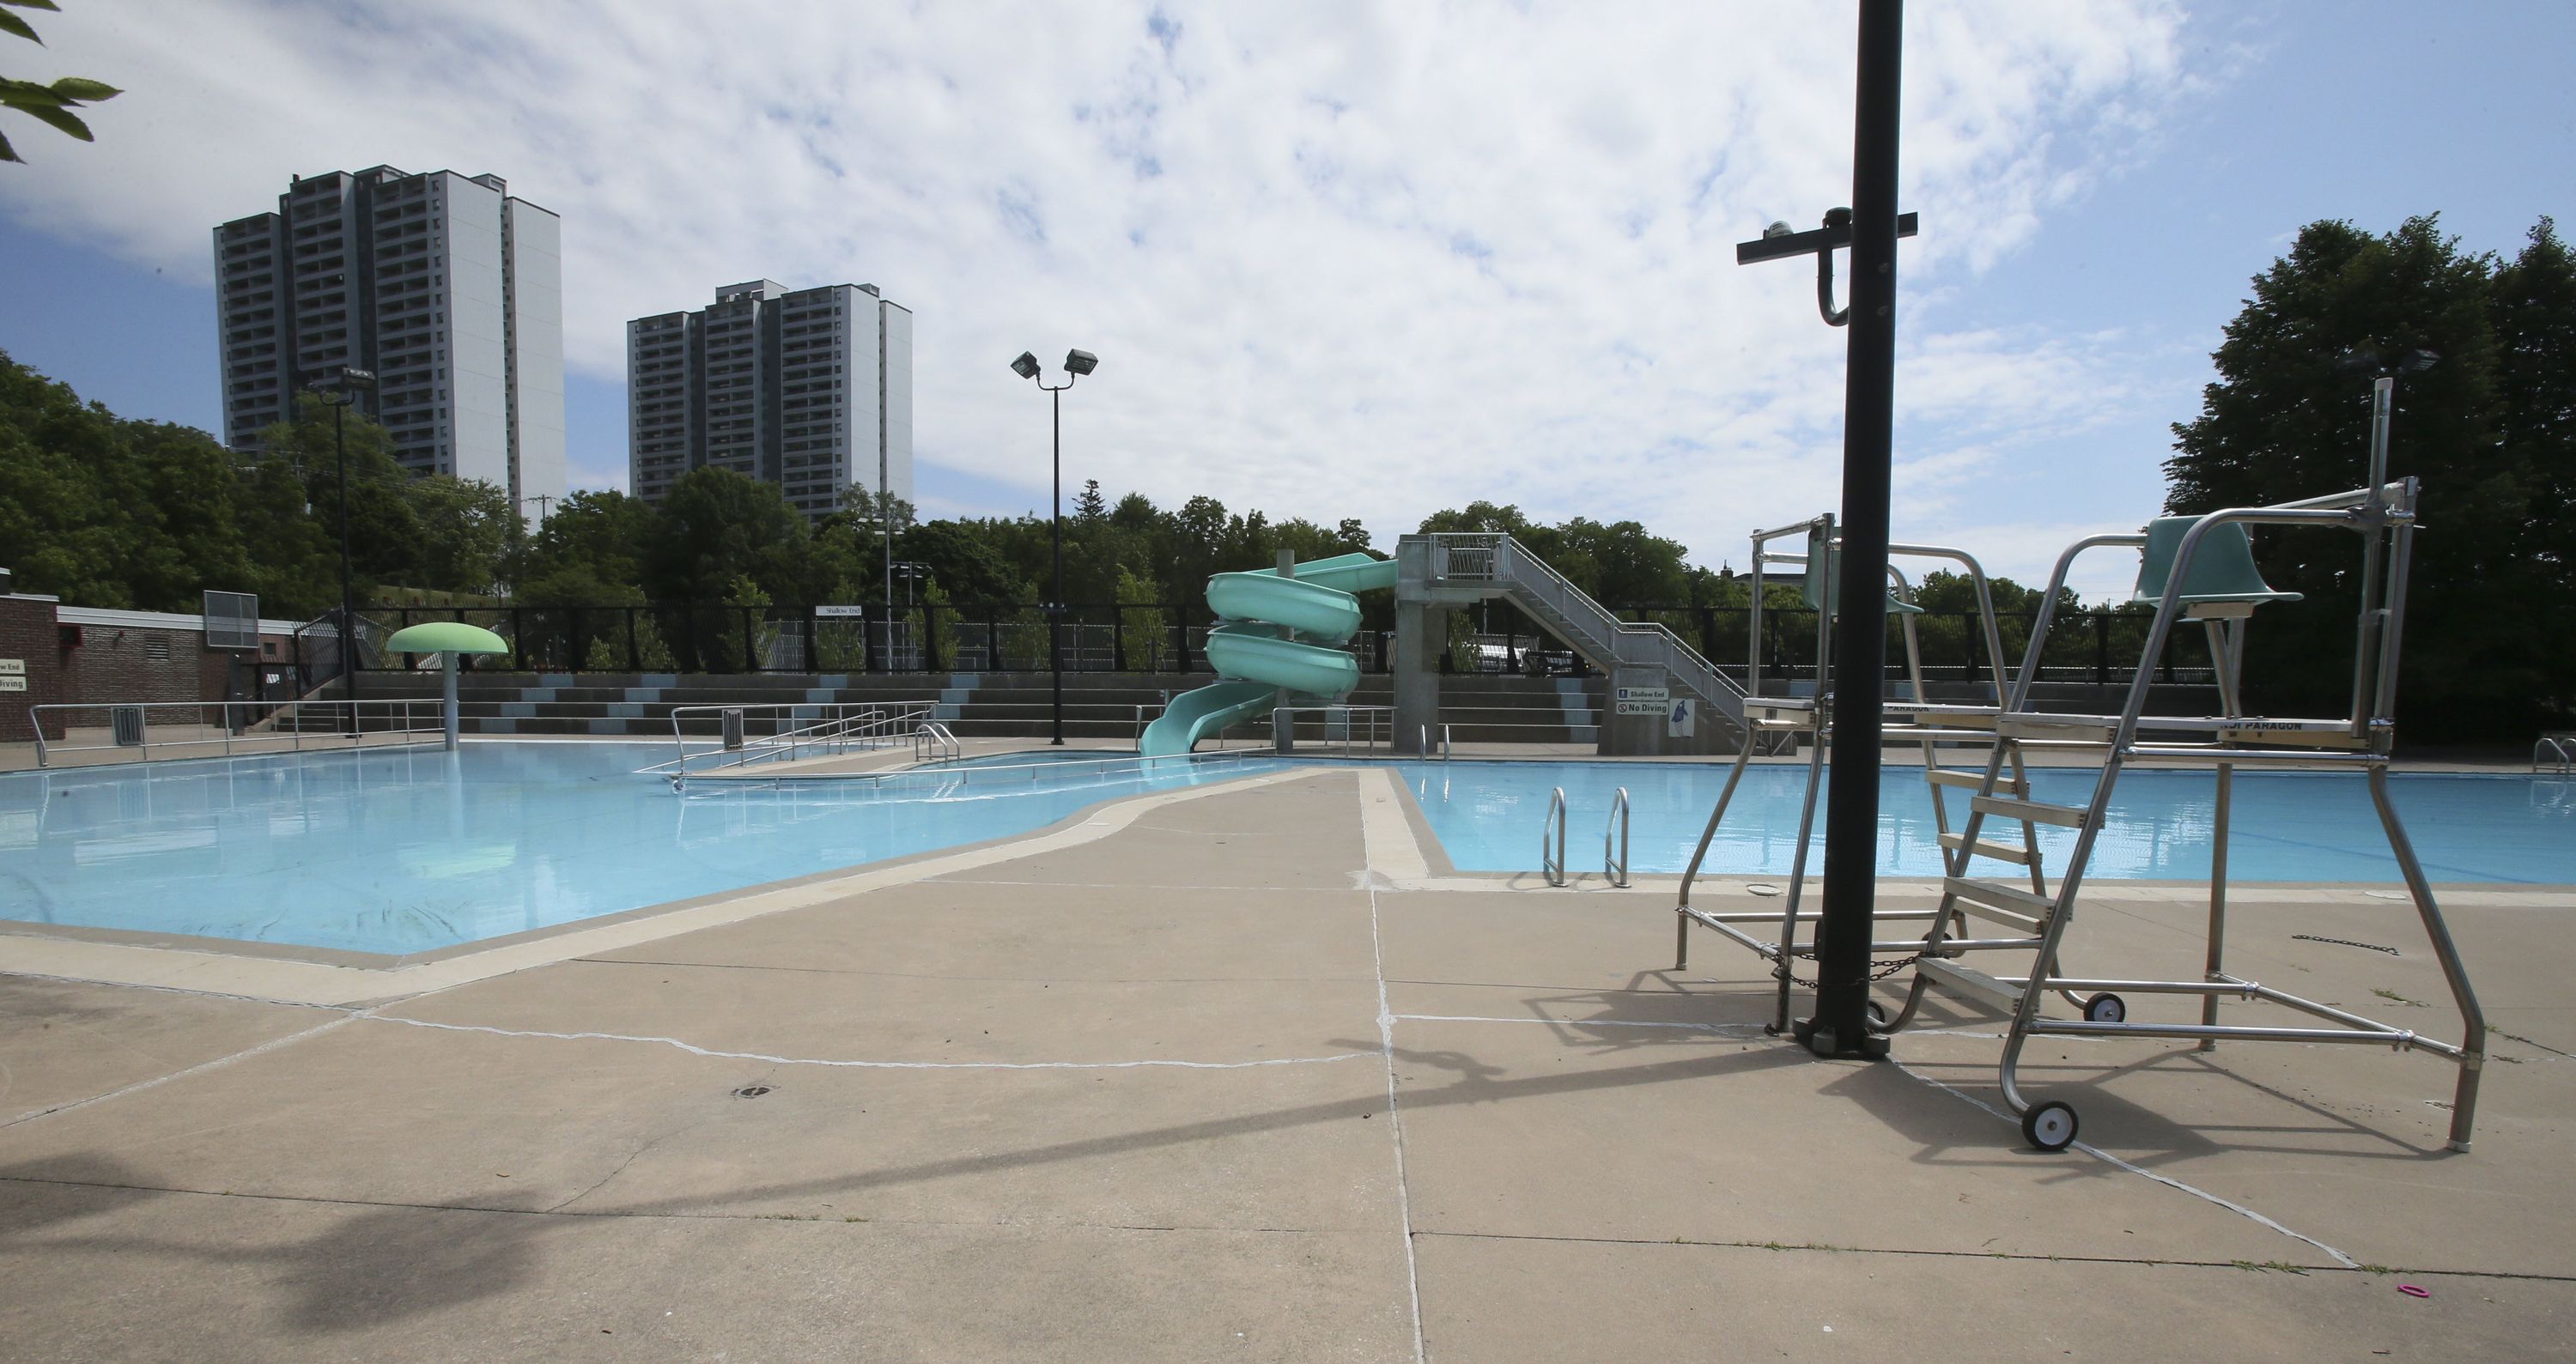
[1883, 969]
[2347, 942]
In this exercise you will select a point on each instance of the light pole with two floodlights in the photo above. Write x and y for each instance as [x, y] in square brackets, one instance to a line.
[1076, 364]
[339, 390]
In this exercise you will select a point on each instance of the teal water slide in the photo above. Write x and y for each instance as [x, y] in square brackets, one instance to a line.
[1277, 639]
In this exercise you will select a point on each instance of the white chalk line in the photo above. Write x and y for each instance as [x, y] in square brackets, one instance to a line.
[2167, 1180]
[712, 1053]
[158, 1080]
[1722, 1029]
[1386, 1018]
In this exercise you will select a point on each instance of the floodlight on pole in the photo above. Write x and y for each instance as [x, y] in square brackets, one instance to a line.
[1076, 364]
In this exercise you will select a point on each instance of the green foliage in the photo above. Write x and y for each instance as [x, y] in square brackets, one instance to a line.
[718, 527]
[53, 104]
[107, 512]
[2488, 430]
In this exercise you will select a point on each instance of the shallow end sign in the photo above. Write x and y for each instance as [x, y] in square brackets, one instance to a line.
[1643, 700]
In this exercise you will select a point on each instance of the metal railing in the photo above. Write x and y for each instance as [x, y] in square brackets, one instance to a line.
[2556, 752]
[1615, 867]
[1351, 729]
[750, 732]
[227, 727]
[1551, 851]
[1497, 558]
[932, 742]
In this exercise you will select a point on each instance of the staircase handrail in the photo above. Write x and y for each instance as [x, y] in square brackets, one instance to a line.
[1510, 561]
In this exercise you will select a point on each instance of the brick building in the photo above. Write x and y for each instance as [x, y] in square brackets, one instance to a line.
[54, 654]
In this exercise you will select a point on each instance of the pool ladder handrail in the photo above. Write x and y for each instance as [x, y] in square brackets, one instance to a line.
[1426, 749]
[1551, 855]
[933, 742]
[2560, 751]
[1615, 867]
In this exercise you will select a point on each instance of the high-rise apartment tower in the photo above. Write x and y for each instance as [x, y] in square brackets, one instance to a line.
[445, 286]
[810, 389]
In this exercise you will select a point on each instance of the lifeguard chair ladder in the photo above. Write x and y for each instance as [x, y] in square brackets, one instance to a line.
[2202, 569]
[1775, 936]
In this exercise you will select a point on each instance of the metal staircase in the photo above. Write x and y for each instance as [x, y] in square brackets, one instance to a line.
[1498, 565]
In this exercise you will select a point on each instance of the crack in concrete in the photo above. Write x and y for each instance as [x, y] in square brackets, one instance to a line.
[2027, 1256]
[714, 1054]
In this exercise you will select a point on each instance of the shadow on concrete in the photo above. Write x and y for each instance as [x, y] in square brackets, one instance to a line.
[371, 1265]
[1477, 1083]
[2144, 1136]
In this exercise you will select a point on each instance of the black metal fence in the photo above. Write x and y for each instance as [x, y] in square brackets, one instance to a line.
[2099, 647]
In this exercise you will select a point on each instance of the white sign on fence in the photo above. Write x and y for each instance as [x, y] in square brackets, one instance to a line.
[1646, 707]
[13, 684]
[839, 612]
[13, 667]
[1644, 694]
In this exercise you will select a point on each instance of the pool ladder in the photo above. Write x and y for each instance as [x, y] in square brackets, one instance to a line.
[1614, 840]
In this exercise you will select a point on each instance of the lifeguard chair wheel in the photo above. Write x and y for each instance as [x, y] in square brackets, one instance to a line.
[2106, 1008]
[2049, 1126]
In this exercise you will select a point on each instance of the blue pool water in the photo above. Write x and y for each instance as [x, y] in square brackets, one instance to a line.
[2286, 826]
[405, 850]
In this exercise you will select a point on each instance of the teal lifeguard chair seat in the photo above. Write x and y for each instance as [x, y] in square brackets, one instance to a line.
[1819, 585]
[2224, 582]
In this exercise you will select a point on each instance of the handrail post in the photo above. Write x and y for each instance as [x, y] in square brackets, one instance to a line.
[1616, 870]
[1551, 854]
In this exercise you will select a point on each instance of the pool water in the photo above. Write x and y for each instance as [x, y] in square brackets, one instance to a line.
[2285, 826]
[408, 849]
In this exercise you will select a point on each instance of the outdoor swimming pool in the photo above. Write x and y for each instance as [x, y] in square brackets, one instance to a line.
[409, 849]
[2287, 826]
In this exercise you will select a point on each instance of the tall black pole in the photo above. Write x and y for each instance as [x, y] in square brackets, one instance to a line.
[1841, 1024]
[1055, 613]
[348, 611]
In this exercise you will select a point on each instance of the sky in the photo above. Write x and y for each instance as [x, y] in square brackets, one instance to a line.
[1342, 259]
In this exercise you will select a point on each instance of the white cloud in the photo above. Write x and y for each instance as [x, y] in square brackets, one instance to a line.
[1337, 258]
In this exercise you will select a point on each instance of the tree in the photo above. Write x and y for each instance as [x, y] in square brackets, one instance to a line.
[1090, 508]
[717, 527]
[52, 104]
[428, 531]
[963, 563]
[601, 533]
[2486, 430]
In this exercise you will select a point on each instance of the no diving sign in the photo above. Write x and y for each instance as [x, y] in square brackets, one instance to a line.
[1644, 700]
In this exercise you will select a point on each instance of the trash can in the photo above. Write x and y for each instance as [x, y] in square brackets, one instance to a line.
[733, 729]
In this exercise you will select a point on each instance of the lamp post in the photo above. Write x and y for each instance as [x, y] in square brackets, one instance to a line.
[339, 390]
[1076, 364]
[1870, 228]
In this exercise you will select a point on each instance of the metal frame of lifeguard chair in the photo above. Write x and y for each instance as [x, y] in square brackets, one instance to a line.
[1811, 717]
[2202, 568]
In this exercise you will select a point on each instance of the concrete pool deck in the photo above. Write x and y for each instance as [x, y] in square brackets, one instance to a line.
[1236, 1072]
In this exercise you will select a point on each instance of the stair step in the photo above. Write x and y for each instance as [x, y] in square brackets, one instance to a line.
[1998, 894]
[1969, 981]
[1946, 776]
[2000, 903]
[1997, 851]
[2065, 816]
